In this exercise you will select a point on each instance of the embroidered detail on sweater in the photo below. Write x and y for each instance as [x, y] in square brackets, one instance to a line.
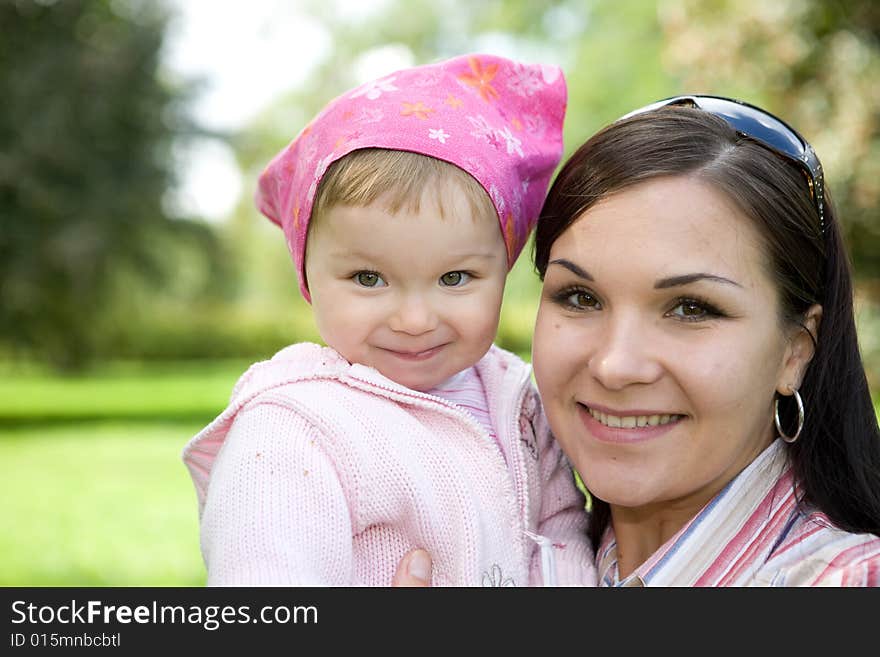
[527, 430]
[495, 578]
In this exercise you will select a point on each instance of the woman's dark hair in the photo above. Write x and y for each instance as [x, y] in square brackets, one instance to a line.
[836, 459]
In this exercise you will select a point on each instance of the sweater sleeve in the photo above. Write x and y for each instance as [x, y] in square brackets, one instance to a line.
[276, 513]
[563, 518]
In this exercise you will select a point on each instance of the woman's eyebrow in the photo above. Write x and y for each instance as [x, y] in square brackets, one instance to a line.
[573, 268]
[675, 281]
[663, 283]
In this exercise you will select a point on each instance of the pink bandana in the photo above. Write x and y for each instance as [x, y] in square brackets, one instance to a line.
[499, 120]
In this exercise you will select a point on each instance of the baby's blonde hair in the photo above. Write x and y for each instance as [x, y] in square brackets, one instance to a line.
[400, 178]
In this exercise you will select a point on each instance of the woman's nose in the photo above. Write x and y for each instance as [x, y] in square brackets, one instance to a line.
[624, 354]
[414, 314]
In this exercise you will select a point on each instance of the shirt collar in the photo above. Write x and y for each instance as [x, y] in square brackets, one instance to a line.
[686, 556]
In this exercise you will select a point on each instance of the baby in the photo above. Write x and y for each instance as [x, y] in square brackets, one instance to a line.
[404, 204]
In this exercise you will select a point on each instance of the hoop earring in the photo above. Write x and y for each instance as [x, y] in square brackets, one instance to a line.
[800, 405]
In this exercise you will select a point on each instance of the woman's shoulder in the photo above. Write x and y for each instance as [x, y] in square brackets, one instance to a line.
[816, 552]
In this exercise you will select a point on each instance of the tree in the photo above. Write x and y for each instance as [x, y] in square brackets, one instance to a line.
[86, 125]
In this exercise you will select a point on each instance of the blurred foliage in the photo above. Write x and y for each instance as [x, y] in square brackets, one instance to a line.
[608, 50]
[86, 125]
[814, 62]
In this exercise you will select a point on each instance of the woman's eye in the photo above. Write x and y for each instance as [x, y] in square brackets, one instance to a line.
[369, 279]
[583, 300]
[693, 310]
[577, 299]
[454, 278]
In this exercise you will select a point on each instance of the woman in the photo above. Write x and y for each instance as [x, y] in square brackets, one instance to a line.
[697, 357]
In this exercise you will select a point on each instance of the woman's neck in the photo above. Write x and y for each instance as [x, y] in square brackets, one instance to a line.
[642, 531]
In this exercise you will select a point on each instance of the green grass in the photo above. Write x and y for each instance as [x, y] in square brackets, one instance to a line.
[136, 391]
[94, 490]
[98, 504]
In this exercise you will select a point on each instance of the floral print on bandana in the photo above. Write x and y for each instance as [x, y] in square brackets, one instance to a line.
[498, 119]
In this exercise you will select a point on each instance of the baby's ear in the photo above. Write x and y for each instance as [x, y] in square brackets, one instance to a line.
[801, 349]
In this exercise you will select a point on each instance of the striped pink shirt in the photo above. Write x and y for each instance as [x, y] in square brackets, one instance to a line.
[753, 533]
[466, 391]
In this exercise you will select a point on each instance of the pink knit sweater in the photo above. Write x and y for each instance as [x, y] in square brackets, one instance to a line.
[320, 472]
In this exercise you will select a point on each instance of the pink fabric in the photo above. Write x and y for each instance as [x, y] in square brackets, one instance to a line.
[757, 531]
[499, 120]
[324, 473]
[465, 390]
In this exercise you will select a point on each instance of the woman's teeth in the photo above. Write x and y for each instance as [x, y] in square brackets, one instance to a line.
[632, 421]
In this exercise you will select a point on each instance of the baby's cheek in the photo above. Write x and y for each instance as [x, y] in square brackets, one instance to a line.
[480, 321]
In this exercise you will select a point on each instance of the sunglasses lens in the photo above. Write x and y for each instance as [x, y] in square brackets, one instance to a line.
[756, 124]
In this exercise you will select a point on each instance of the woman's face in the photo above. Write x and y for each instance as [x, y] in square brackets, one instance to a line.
[658, 345]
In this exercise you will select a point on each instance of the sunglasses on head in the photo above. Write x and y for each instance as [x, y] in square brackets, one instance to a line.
[764, 128]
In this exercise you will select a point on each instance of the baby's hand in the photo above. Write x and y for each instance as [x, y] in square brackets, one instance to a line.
[414, 569]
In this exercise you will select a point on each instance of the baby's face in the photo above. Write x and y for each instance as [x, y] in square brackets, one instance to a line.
[415, 295]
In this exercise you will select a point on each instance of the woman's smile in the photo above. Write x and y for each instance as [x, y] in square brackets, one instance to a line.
[627, 426]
